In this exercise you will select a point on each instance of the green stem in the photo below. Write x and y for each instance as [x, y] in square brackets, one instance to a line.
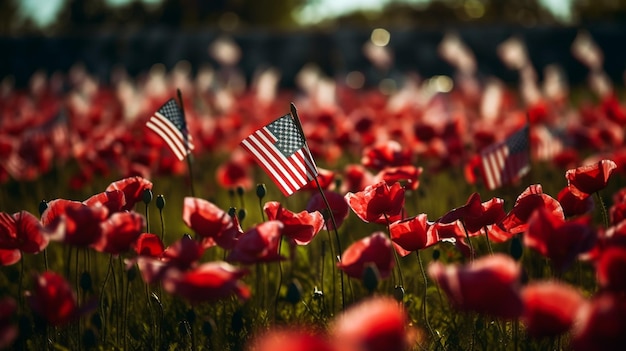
[488, 241]
[605, 216]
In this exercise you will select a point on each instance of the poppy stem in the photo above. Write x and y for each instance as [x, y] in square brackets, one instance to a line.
[147, 220]
[395, 253]
[424, 303]
[186, 137]
[488, 241]
[469, 242]
[605, 216]
[280, 279]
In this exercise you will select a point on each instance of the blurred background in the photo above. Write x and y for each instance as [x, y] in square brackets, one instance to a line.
[104, 35]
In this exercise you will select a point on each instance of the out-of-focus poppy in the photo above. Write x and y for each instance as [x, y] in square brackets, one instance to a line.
[586, 180]
[407, 174]
[386, 154]
[531, 199]
[610, 268]
[83, 224]
[375, 324]
[377, 203]
[22, 231]
[476, 215]
[183, 253]
[120, 232]
[573, 205]
[600, 324]
[355, 178]
[9, 257]
[210, 221]
[132, 188]
[149, 245]
[375, 249]
[8, 329]
[258, 244]
[559, 240]
[488, 285]
[113, 200]
[53, 299]
[412, 234]
[300, 227]
[325, 177]
[550, 308]
[337, 203]
[294, 339]
[209, 281]
[234, 172]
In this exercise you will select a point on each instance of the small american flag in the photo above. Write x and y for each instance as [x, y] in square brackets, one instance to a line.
[507, 161]
[168, 122]
[281, 151]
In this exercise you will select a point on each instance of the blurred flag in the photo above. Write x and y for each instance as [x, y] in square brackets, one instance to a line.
[546, 143]
[587, 51]
[507, 161]
[168, 122]
[281, 151]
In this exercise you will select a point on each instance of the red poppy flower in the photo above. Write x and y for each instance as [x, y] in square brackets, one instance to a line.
[407, 174]
[234, 173]
[120, 232]
[550, 308]
[148, 244]
[375, 249]
[412, 234]
[183, 253]
[113, 200]
[209, 221]
[386, 154]
[22, 231]
[600, 324]
[452, 233]
[325, 177]
[476, 215]
[377, 201]
[617, 212]
[356, 178]
[573, 205]
[610, 268]
[82, 222]
[53, 299]
[132, 188]
[9, 257]
[586, 180]
[337, 203]
[375, 324]
[8, 329]
[259, 244]
[531, 199]
[559, 240]
[210, 281]
[295, 339]
[300, 228]
[488, 285]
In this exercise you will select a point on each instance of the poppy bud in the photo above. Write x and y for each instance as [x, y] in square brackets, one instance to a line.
[261, 190]
[96, 320]
[160, 202]
[236, 322]
[208, 327]
[131, 274]
[231, 193]
[240, 190]
[232, 212]
[294, 292]
[43, 205]
[190, 315]
[436, 254]
[371, 277]
[398, 293]
[241, 214]
[85, 281]
[516, 250]
[146, 196]
[89, 339]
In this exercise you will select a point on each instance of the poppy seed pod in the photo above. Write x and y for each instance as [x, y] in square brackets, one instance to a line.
[261, 190]
[43, 205]
[371, 278]
[294, 292]
[146, 196]
[232, 212]
[241, 214]
[160, 202]
[240, 190]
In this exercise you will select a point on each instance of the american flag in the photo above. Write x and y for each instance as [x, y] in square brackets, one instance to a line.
[546, 143]
[169, 123]
[281, 151]
[507, 161]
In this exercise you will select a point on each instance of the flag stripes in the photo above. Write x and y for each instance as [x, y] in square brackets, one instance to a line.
[507, 161]
[167, 122]
[290, 172]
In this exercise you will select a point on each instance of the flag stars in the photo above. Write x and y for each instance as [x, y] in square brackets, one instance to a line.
[288, 137]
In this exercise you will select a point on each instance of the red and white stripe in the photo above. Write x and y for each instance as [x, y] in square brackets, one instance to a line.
[172, 136]
[289, 173]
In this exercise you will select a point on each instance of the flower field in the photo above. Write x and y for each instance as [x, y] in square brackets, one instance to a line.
[109, 241]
